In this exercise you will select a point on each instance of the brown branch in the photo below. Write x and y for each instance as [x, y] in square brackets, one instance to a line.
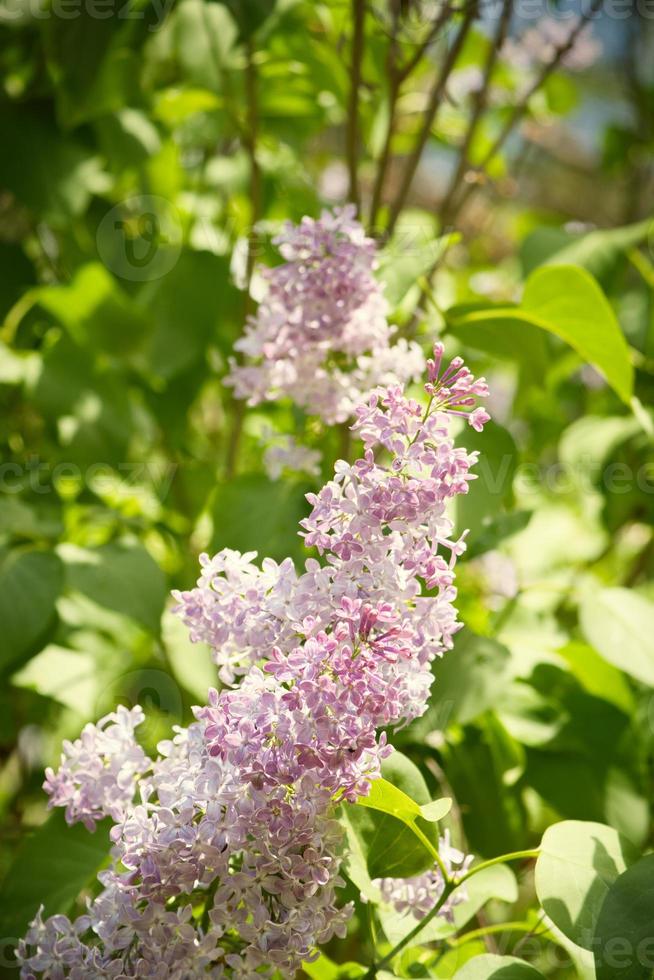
[352, 134]
[517, 114]
[252, 102]
[409, 67]
[520, 109]
[430, 115]
[384, 159]
[397, 75]
[393, 93]
[479, 105]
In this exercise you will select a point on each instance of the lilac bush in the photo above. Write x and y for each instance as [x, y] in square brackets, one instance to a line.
[226, 848]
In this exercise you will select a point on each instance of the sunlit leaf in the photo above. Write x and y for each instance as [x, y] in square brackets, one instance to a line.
[492, 967]
[121, 576]
[30, 582]
[565, 301]
[577, 864]
[620, 625]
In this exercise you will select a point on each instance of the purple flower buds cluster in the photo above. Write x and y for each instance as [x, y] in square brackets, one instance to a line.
[320, 335]
[226, 847]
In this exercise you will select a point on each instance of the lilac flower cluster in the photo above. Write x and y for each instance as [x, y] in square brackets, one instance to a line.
[320, 335]
[226, 850]
[99, 770]
[418, 895]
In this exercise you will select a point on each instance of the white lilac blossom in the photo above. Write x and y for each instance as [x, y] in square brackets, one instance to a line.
[538, 45]
[320, 335]
[419, 894]
[98, 772]
[285, 454]
[226, 851]
[498, 577]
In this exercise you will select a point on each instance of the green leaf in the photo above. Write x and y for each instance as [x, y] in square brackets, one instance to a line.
[599, 251]
[190, 662]
[30, 583]
[568, 302]
[577, 864]
[389, 799]
[51, 867]
[541, 244]
[598, 676]
[469, 680]
[480, 761]
[204, 36]
[410, 254]
[436, 810]
[250, 15]
[50, 173]
[565, 301]
[497, 530]
[67, 676]
[491, 967]
[23, 521]
[623, 943]
[385, 823]
[127, 138]
[592, 439]
[120, 576]
[194, 304]
[323, 968]
[619, 623]
[496, 330]
[494, 471]
[89, 408]
[93, 60]
[253, 513]
[96, 312]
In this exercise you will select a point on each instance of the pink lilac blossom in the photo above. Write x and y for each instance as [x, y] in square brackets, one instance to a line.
[225, 848]
[418, 895]
[538, 45]
[320, 335]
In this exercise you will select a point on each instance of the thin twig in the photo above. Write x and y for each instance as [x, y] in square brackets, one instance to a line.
[384, 159]
[445, 894]
[397, 75]
[517, 114]
[409, 67]
[492, 930]
[352, 135]
[521, 107]
[480, 103]
[500, 859]
[255, 169]
[250, 142]
[430, 115]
